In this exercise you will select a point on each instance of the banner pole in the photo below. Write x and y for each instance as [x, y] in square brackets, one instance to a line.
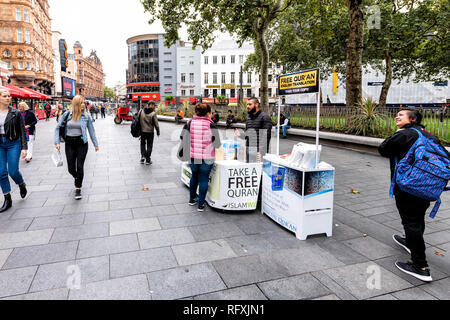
[278, 126]
[318, 120]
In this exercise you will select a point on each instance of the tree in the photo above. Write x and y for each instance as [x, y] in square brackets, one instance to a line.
[247, 20]
[109, 93]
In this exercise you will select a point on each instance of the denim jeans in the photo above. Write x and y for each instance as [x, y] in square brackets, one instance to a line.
[200, 180]
[285, 128]
[9, 163]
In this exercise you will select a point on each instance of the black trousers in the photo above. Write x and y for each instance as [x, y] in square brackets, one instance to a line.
[76, 151]
[412, 212]
[147, 144]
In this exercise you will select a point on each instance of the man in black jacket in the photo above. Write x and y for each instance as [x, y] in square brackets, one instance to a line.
[411, 208]
[258, 129]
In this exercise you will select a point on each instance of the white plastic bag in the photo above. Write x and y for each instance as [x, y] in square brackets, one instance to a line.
[57, 158]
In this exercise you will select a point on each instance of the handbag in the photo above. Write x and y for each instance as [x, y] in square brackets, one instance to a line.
[57, 158]
[62, 128]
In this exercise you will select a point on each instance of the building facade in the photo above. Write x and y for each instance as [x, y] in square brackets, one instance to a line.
[120, 91]
[152, 68]
[90, 76]
[26, 43]
[65, 81]
[189, 84]
[4, 73]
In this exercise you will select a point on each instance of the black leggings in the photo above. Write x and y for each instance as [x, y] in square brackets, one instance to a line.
[147, 145]
[76, 151]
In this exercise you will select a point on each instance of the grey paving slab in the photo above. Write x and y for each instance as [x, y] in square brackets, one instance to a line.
[56, 294]
[16, 281]
[199, 252]
[57, 222]
[413, 294]
[70, 274]
[107, 246]
[342, 231]
[165, 238]
[294, 288]
[87, 207]
[36, 255]
[437, 238]
[150, 212]
[108, 197]
[108, 216]
[129, 204]
[4, 254]
[342, 252]
[184, 282]
[371, 248]
[251, 292]
[37, 212]
[367, 280]
[328, 297]
[24, 239]
[127, 288]
[88, 231]
[384, 297]
[9, 226]
[439, 289]
[134, 226]
[185, 220]
[144, 261]
[215, 231]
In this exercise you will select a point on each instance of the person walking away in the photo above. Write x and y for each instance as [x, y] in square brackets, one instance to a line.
[30, 122]
[179, 116]
[258, 129]
[78, 123]
[48, 111]
[13, 146]
[412, 209]
[103, 111]
[204, 139]
[230, 118]
[91, 109]
[149, 122]
[285, 125]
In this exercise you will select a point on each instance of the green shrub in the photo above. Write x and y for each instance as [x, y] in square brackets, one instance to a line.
[367, 119]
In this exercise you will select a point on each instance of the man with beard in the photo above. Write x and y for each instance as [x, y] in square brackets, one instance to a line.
[258, 129]
[149, 122]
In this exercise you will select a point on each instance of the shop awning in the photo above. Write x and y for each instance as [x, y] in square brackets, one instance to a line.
[35, 95]
[16, 92]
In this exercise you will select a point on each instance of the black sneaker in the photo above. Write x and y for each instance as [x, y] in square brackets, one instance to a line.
[23, 190]
[148, 162]
[201, 208]
[78, 194]
[401, 242]
[412, 270]
[142, 160]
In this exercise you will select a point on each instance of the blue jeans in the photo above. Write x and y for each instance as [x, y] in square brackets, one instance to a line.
[9, 163]
[285, 128]
[200, 180]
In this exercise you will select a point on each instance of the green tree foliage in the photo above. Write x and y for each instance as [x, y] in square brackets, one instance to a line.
[109, 93]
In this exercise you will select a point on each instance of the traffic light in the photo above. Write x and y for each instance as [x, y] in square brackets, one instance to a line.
[64, 55]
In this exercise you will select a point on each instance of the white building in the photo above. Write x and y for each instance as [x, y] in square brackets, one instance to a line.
[188, 71]
[120, 90]
[273, 73]
[70, 73]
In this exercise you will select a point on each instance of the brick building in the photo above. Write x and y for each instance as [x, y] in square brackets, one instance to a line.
[26, 43]
[90, 76]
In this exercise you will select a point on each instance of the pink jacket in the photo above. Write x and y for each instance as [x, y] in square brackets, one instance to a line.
[202, 139]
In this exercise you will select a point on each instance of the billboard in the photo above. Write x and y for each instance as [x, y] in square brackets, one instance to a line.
[68, 87]
[63, 55]
[300, 82]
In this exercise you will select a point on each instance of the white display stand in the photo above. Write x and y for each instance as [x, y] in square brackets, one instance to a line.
[300, 200]
[233, 186]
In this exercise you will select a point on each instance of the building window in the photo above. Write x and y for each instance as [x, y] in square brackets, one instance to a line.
[270, 77]
[7, 53]
[191, 77]
[214, 93]
[233, 59]
[20, 65]
[223, 92]
[215, 78]
[20, 53]
[8, 64]
[28, 65]
[223, 77]
[214, 59]
[270, 92]
[206, 78]
[28, 54]
[224, 59]
[249, 77]
[192, 93]
[206, 93]
[249, 93]
[183, 93]
[241, 59]
[27, 36]
[206, 60]
[18, 14]
[232, 77]
[19, 35]
[26, 16]
[183, 78]
[191, 62]
[233, 93]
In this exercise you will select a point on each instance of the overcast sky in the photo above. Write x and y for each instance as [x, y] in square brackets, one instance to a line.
[104, 26]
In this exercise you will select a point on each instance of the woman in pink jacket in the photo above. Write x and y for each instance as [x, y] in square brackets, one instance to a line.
[204, 139]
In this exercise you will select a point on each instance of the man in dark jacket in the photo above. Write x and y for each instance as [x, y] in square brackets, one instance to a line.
[258, 129]
[149, 123]
[411, 208]
[230, 118]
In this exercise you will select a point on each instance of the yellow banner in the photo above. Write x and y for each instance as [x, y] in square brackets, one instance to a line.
[299, 80]
[228, 86]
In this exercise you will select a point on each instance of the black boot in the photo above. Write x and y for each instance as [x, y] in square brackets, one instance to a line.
[23, 190]
[7, 204]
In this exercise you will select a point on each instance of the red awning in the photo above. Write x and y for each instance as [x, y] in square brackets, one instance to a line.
[35, 95]
[16, 92]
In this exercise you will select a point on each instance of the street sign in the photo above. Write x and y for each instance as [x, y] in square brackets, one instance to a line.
[300, 82]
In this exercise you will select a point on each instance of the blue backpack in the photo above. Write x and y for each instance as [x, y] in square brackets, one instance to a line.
[424, 172]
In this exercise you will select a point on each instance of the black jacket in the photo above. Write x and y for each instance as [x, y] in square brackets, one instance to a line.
[30, 120]
[15, 127]
[257, 126]
[398, 145]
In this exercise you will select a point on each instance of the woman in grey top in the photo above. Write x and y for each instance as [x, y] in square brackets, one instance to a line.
[78, 123]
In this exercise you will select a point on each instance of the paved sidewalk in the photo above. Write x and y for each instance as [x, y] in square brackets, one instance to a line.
[125, 243]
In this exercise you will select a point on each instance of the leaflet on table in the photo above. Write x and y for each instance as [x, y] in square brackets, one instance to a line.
[303, 156]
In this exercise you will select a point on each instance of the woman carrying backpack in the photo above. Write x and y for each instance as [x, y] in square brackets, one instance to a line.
[78, 122]
[412, 209]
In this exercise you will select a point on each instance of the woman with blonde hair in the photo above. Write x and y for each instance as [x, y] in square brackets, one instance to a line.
[77, 122]
[13, 145]
[30, 122]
